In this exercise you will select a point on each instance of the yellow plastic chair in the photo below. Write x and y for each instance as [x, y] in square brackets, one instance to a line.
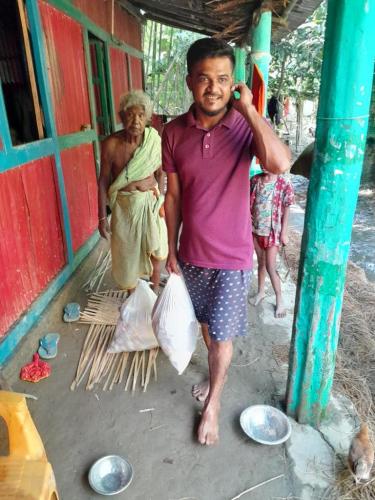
[25, 473]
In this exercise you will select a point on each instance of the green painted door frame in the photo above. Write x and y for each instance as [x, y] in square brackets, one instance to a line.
[100, 81]
[342, 121]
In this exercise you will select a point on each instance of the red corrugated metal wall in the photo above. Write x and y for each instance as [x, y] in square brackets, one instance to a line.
[126, 27]
[31, 243]
[67, 69]
[81, 190]
[136, 69]
[120, 81]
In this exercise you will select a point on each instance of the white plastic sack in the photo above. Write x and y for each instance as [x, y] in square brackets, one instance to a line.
[134, 329]
[174, 322]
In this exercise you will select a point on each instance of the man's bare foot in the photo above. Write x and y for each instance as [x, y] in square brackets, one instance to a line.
[280, 311]
[208, 430]
[200, 391]
[257, 299]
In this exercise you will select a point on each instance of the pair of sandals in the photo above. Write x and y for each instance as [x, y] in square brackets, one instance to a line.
[49, 343]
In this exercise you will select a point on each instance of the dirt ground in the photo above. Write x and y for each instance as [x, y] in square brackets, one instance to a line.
[77, 427]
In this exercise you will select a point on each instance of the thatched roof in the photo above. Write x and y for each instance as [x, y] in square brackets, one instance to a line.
[228, 19]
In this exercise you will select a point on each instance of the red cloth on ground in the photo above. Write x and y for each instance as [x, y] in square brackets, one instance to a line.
[36, 370]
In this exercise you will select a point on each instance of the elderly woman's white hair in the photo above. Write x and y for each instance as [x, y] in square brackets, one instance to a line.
[136, 98]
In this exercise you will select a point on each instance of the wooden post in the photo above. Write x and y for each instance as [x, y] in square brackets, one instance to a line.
[30, 68]
[342, 122]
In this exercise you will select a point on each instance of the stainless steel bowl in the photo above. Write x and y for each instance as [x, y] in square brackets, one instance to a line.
[265, 424]
[110, 475]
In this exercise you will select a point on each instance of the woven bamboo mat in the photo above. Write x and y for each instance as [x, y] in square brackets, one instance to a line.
[133, 369]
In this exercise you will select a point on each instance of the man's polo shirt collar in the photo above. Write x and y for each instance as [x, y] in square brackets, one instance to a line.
[228, 119]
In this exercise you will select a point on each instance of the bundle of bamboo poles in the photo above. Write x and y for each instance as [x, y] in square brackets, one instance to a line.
[96, 277]
[101, 367]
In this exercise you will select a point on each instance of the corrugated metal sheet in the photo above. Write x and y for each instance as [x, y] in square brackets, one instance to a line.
[81, 191]
[67, 69]
[120, 76]
[126, 27]
[31, 243]
[137, 74]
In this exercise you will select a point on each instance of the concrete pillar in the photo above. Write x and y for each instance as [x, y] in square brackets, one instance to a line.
[240, 66]
[342, 122]
[261, 47]
[261, 56]
[371, 129]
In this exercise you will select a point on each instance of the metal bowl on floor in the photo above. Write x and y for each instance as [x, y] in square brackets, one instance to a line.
[110, 475]
[265, 424]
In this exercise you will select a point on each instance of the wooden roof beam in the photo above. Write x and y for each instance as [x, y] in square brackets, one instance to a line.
[180, 24]
[201, 20]
[168, 5]
[191, 20]
[130, 9]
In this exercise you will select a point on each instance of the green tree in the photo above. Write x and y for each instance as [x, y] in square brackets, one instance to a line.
[165, 67]
[297, 59]
[296, 64]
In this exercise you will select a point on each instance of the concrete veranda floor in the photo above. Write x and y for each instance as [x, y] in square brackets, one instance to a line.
[77, 427]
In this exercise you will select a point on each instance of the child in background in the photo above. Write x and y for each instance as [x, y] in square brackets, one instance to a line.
[270, 199]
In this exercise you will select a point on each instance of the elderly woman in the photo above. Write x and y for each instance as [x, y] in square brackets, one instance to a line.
[131, 182]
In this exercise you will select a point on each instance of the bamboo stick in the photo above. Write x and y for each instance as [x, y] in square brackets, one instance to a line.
[131, 371]
[154, 364]
[257, 486]
[143, 368]
[97, 360]
[112, 365]
[87, 354]
[148, 371]
[125, 357]
[136, 371]
[30, 69]
[106, 357]
[118, 369]
[80, 361]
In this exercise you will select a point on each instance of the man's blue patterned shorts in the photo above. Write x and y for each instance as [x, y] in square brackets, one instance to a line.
[219, 298]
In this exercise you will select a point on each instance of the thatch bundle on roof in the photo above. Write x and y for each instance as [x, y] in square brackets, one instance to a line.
[228, 19]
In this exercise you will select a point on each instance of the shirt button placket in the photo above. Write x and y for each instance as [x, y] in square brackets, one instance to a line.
[207, 145]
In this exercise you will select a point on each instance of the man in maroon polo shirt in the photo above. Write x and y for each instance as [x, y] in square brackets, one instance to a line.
[206, 154]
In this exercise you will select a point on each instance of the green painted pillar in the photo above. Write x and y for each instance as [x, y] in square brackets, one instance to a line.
[261, 56]
[342, 122]
[261, 47]
[371, 129]
[240, 66]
